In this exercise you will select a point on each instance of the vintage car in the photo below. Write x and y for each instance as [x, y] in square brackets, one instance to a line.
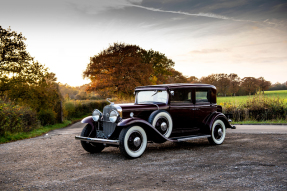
[167, 112]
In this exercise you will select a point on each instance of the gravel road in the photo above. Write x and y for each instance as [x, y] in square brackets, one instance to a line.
[247, 160]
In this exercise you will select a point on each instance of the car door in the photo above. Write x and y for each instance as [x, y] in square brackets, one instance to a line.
[203, 107]
[181, 109]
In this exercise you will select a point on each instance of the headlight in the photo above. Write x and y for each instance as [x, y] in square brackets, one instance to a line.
[113, 116]
[96, 115]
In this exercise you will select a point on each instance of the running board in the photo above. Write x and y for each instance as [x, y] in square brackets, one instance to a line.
[182, 139]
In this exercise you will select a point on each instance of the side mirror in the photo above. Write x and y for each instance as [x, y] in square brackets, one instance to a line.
[172, 93]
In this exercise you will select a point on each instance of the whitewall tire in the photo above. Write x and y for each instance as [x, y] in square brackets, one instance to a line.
[162, 121]
[218, 133]
[133, 141]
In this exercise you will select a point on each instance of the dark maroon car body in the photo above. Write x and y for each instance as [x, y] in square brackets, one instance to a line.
[192, 117]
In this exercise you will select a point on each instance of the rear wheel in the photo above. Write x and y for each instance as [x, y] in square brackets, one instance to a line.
[217, 133]
[133, 141]
[88, 146]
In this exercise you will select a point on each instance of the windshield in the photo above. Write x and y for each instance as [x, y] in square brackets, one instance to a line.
[154, 96]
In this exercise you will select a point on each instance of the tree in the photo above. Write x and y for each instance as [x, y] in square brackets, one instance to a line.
[16, 64]
[234, 83]
[222, 83]
[210, 79]
[162, 66]
[120, 68]
[192, 79]
[263, 84]
[278, 86]
[250, 84]
[23, 80]
[176, 77]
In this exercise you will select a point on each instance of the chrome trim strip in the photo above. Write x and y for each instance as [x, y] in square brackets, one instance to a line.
[97, 140]
[192, 138]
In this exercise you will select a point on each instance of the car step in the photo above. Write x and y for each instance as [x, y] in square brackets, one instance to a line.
[187, 138]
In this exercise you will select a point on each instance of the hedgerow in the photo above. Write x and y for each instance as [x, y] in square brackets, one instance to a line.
[258, 108]
[78, 108]
[15, 118]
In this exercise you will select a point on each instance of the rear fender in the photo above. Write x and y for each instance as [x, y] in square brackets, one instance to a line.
[214, 116]
[152, 133]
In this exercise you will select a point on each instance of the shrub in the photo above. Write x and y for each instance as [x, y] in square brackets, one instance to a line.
[15, 118]
[47, 117]
[75, 109]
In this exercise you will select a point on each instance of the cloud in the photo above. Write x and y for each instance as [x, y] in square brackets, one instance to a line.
[207, 51]
[209, 15]
[95, 6]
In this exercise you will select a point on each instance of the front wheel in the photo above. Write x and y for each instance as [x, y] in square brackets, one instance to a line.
[217, 133]
[133, 141]
[90, 147]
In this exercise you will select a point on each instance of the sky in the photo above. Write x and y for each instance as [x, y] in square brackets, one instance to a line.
[246, 37]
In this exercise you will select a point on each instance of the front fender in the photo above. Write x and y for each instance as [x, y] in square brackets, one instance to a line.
[90, 121]
[214, 116]
[152, 133]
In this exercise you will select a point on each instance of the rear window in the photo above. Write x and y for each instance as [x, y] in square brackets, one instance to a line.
[202, 96]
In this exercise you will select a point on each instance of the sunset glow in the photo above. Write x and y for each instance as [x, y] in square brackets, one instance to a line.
[248, 38]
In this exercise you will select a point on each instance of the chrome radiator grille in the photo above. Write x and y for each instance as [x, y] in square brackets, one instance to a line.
[109, 128]
[107, 110]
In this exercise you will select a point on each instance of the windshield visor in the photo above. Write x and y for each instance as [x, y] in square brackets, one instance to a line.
[154, 96]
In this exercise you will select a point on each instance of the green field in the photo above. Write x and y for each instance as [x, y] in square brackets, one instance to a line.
[282, 94]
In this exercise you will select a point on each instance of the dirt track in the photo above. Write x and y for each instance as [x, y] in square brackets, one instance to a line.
[57, 162]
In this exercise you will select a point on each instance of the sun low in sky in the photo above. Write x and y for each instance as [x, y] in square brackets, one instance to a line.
[245, 37]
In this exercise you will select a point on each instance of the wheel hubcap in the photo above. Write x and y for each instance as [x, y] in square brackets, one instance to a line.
[137, 141]
[163, 126]
[220, 133]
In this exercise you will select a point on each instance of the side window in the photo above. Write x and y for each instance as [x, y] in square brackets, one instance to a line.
[202, 96]
[181, 96]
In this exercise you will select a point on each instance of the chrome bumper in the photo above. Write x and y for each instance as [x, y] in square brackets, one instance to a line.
[97, 140]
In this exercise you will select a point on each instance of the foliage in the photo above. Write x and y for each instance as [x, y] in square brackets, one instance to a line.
[258, 108]
[231, 84]
[278, 86]
[74, 109]
[15, 118]
[24, 81]
[77, 93]
[8, 137]
[47, 117]
[120, 68]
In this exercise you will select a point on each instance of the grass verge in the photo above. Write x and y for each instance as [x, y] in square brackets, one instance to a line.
[269, 122]
[9, 137]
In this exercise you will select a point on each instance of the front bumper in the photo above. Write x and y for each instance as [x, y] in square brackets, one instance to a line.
[97, 140]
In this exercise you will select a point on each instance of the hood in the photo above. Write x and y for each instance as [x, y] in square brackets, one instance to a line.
[139, 107]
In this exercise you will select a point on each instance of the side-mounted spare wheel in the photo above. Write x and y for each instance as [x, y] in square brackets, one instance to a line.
[162, 121]
[90, 147]
[217, 133]
[133, 141]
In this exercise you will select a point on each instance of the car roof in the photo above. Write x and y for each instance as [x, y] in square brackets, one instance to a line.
[177, 85]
